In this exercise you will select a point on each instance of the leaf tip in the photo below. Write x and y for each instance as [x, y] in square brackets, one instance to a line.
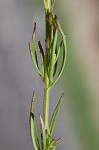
[34, 30]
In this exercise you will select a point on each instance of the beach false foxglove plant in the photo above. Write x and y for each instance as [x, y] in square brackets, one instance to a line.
[54, 45]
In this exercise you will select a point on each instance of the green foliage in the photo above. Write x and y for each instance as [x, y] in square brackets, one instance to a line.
[49, 75]
[80, 101]
[33, 53]
[33, 130]
[54, 116]
[43, 132]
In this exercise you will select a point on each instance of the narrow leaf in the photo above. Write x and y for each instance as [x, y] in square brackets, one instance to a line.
[55, 62]
[42, 56]
[43, 133]
[54, 116]
[53, 144]
[50, 144]
[32, 103]
[53, 3]
[41, 140]
[45, 4]
[34, 137]
[48, 137]
[32, 48]
[64, 52]
[41, 49]
[33, 129]
[52, 31]
[53, 47]
[58, 51]
[54, 148]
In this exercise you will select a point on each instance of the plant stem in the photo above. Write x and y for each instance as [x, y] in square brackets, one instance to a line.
[47, 72]
[46, 102]
[46, 79]
[48, 4]
[46, 84]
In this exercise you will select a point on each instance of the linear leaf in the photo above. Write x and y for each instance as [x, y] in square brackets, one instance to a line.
[45, 4]
[33, 54]
[43, 133]
[58, 51]
[48, 137]
[53, 3]
[55, 62]
[54, 116]
[64, 52]
[56, 58]
[52, 31]
[33, 132]
[36, 135]
[53, 144]
[42, 56]
[54, 148]
[53, 47]
[32, 103]
[33, 129]
[50, 145]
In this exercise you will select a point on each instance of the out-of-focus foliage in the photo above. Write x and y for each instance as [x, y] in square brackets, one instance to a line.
[79, 101]
[83, 22]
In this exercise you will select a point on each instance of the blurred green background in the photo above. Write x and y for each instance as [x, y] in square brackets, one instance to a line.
[78, 121]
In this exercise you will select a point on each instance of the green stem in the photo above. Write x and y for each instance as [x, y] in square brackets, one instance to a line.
[46, 102]
[46, 80]
[48, 4]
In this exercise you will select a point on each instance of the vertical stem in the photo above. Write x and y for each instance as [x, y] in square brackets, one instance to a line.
[46, 103]
[46, 80]
[46, 65]
[48, 4]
